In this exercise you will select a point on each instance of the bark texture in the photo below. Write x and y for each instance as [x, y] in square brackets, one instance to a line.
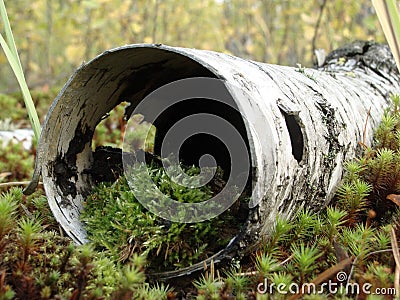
[300, 124]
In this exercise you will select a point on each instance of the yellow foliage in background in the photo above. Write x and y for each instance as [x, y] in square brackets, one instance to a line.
[55, 36]
[74, 53]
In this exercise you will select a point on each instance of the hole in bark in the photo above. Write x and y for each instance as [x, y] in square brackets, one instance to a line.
[296, 136]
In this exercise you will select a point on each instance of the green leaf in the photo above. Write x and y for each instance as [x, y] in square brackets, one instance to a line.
[12, 56]
[9, 35]
[390, 22]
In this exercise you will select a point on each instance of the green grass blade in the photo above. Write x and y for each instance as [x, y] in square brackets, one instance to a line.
[389, 19]
[11, 52]
[395, 19]
[9, 34]
[24, 87]
[395, 24]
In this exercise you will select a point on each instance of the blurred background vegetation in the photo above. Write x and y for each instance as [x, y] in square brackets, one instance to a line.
[55, 36]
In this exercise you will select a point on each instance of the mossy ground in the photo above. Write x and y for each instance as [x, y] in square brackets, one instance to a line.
[356, 234]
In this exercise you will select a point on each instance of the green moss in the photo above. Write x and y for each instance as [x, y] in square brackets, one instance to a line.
[116, 221]
[38, 263]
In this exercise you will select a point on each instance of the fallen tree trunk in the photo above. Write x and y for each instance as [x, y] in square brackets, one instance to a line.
[299, 125]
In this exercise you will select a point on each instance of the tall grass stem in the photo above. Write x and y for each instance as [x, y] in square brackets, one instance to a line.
[11, 53]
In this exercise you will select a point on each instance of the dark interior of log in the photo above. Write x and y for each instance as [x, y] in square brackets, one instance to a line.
[200, 144]
[296, 136]
[168, 67]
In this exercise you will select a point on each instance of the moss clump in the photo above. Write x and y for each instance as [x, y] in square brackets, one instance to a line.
[375, 175]
[116, 221]
[39, 263]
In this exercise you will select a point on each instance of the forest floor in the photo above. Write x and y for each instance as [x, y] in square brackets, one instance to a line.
[346, 251]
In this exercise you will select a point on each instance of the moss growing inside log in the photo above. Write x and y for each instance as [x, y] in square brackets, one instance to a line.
[117, 221]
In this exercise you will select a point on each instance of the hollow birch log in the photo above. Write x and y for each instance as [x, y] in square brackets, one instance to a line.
[299, 125]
